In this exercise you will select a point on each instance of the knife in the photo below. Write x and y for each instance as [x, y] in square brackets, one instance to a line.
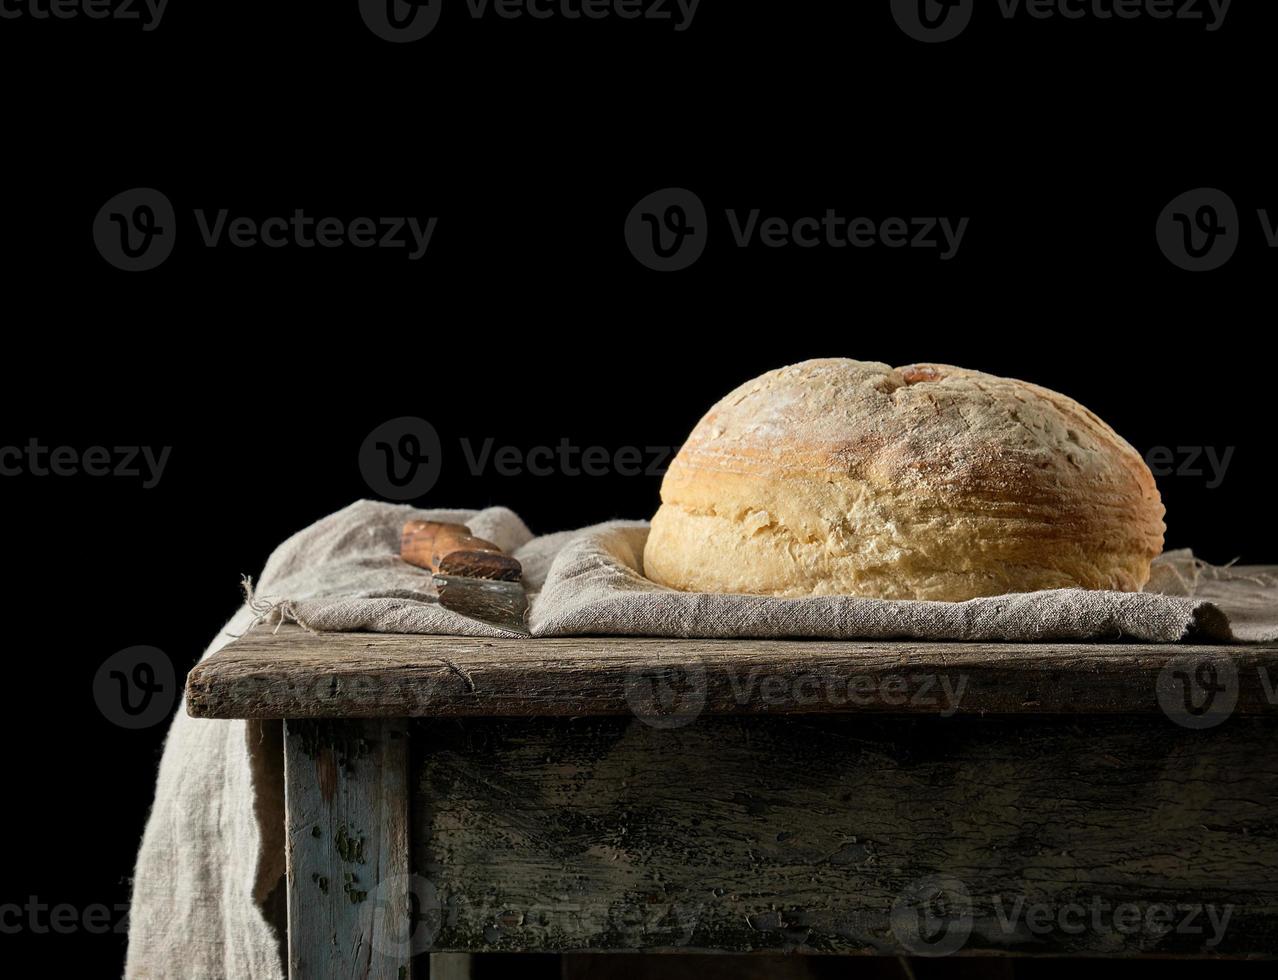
[474, 577]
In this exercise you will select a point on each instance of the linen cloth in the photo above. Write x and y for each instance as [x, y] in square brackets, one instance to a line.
[208, 881]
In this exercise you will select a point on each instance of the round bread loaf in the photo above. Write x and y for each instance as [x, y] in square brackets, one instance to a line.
[923, 482]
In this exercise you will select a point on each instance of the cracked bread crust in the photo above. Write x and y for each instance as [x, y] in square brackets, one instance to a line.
[847, 477]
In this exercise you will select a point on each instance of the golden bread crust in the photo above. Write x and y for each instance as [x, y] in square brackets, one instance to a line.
[837, 476]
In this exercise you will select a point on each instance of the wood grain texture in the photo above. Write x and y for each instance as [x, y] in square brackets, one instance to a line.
[453, 550]
[291, 673]
[347, 850]
[1097, 837]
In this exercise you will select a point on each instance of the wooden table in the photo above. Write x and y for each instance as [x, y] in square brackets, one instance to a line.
[479, 795]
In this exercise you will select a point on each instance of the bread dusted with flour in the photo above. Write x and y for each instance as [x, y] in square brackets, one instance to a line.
[836, 476]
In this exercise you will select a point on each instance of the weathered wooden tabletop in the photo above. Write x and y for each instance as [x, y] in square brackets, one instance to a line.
[291, 673]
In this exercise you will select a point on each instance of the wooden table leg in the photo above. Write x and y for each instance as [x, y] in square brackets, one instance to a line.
[349, 881]
[451, 966]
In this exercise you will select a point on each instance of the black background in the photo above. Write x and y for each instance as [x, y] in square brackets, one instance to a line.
[528, 321]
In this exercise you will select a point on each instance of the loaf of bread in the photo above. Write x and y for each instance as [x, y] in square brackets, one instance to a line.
[923, 482]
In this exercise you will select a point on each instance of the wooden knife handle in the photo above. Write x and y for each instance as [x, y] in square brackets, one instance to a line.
[453, 550]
